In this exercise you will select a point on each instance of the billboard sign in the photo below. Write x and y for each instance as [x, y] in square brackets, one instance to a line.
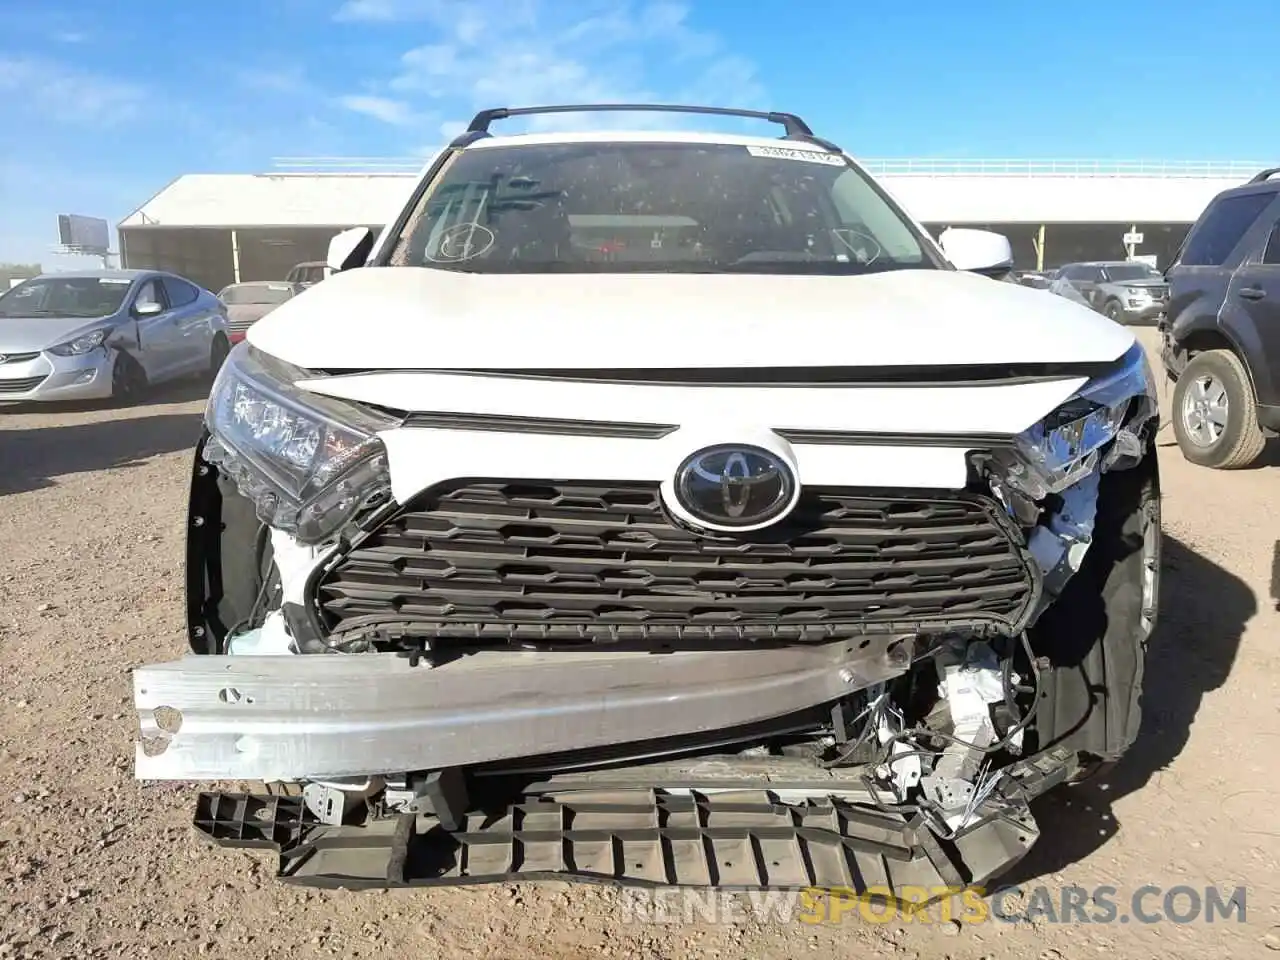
[83, 234]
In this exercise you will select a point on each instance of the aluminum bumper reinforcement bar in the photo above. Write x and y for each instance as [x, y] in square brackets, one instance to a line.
[281, 718]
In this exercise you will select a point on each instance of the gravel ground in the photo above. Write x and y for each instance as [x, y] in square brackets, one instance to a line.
[93, 864]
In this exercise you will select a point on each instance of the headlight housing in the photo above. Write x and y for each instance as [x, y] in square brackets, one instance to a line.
[81, 345]
[1065, 446]
[308, 462]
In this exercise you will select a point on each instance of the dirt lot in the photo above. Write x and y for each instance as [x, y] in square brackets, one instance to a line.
[93, 864]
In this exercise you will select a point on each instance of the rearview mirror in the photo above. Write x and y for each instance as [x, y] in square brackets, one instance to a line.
[977, 251]
[148, 308]
[349, 249]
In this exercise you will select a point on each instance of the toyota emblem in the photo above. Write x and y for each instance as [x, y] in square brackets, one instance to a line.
[735, 486]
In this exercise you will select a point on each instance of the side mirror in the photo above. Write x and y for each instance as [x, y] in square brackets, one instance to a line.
[148, 308]
[978, 251]
[349, 249]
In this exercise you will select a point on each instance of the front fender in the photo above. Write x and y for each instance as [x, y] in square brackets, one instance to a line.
[1241, 329]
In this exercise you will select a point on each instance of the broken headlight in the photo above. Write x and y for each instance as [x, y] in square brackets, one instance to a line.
[308, 462]
[1064, 447]
[81, 345]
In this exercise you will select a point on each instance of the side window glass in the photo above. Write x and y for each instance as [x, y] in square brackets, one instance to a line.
[1271, 255]
[1221, 228]
[180, 292]
[149, 293]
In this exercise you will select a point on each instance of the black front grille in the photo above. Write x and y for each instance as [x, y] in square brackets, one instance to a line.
[17, 357]
[593, 562]
[20, 386]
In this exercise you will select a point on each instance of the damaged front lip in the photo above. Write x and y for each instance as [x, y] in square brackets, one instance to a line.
[284, 718]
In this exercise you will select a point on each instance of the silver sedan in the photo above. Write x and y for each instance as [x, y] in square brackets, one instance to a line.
[105, 334]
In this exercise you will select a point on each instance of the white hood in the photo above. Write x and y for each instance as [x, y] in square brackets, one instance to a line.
[407, 318]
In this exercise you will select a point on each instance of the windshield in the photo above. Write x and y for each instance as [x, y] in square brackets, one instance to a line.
[630, 207]
[307, 273]
[79, 297]
[1133, 271]
[256, 293]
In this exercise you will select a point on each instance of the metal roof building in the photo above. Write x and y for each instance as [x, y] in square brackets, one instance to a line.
[217, 228]
[220, 228]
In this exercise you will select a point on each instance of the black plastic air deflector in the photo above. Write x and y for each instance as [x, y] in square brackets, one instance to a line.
[639, 837]
[252, 820]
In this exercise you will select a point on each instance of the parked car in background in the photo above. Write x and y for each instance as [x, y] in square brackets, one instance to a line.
[247, 303]
[1127, 291]
[102, 334]
[1036, 279]
[308, 273]
[1221, 337]
[1059, 285]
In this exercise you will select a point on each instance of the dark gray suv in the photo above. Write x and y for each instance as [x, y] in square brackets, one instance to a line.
[1221, 337]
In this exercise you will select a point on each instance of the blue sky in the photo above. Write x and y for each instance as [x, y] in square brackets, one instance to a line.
[101, 105]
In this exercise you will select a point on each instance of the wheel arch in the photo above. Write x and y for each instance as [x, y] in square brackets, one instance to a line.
[130, 355]
[1204, 339]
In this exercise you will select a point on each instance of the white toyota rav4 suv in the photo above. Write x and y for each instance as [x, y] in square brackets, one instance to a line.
[660, 508]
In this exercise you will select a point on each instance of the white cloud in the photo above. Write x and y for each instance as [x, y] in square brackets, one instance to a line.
[70, 36]
[47, 90]
[395, 112]
[385, 11]
[487, 53]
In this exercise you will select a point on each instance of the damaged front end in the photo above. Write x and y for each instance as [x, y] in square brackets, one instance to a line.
[488, 678]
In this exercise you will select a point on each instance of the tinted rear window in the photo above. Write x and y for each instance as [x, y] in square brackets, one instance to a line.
[1221, 228]
[180, 292]
[1271, 255]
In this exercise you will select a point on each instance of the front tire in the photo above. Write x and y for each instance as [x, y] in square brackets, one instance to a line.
[128, 381]
[218, 354]
[1113, 311]
[1215, 414]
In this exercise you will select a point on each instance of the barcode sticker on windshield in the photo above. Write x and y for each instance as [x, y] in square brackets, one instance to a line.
[123, 281]
[791, 153]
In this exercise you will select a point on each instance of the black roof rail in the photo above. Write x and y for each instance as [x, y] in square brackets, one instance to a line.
[1265, 175]
[796, 129]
